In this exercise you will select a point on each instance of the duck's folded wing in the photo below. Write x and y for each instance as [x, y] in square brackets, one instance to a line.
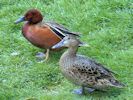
[57, 25]
[91, 68]
[60, 30]
[108, 70]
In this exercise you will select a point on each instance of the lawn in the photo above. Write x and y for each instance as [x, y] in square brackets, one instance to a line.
[106, 25]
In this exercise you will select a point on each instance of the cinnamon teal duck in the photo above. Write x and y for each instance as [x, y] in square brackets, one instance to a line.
[82, 70]
[41, 34]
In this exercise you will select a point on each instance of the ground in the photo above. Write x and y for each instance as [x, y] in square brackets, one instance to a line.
[106, 25]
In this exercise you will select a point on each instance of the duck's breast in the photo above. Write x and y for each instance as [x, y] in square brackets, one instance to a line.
[40, 36]
[69, 70]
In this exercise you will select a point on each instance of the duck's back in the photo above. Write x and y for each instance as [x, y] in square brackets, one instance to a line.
[89, 64]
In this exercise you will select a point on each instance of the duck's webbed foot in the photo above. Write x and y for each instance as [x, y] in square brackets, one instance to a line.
[78, 91]
[41, 57]
[81, 91]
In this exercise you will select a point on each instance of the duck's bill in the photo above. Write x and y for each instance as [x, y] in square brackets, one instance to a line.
[63, 43]
[58, 45]
[19, 20]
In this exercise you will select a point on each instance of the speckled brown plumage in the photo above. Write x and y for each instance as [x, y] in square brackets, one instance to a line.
[82, 70]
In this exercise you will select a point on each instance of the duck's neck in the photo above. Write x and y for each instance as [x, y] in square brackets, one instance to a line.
[70, 53]
[68, 57]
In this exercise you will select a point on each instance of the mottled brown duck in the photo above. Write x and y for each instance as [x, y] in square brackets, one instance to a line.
[82, 70]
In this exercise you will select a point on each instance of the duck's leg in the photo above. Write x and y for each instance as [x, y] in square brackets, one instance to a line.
[47, 55]
[80, 91]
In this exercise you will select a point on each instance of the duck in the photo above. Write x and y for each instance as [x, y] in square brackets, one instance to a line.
[82, 70]
[42, 34]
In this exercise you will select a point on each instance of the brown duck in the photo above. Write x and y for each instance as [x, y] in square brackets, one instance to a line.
[41, 33]
[82, 70]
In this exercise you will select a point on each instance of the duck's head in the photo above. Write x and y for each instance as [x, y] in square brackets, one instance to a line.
[69, 41]
[33, 16]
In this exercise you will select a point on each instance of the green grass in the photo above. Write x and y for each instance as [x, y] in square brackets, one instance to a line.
[106, 25]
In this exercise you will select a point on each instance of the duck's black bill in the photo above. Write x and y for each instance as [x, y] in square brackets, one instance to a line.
[20, 20]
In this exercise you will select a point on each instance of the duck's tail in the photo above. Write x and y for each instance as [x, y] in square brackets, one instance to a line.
[116, 83]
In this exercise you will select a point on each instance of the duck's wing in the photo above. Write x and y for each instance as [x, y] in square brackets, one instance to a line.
[99, 64]
[91, 67]
[93, 73]
[60, 30]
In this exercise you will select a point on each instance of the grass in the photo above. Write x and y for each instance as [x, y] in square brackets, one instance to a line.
[107, 26]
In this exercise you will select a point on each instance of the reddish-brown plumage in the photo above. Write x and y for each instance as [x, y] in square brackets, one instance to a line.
[37, 32]
[42, 34]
